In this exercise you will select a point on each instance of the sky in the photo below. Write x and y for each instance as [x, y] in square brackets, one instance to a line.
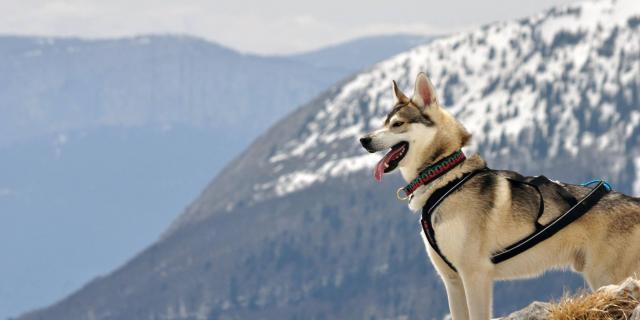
[263, 27]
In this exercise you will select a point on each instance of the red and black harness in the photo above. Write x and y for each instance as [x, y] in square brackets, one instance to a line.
[577, 208]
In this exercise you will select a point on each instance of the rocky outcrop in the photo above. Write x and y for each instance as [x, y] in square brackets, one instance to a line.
[609, 302]
[535, 311]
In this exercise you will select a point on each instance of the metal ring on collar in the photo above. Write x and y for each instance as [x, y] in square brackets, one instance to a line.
[401, 198]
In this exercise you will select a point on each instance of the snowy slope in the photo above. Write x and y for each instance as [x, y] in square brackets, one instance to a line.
[497, 81]
[556, 91]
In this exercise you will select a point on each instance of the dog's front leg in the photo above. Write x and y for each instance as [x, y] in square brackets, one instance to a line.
[456, 297]
[453, 284]
[478, 287]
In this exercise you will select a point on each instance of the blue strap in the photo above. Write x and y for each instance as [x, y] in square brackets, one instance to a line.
[606, 184]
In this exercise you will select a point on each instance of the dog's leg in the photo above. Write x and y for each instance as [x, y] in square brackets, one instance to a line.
[453, 284]
[478, 286]
[456, 297]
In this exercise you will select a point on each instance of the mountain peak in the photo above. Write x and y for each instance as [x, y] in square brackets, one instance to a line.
[556, 87]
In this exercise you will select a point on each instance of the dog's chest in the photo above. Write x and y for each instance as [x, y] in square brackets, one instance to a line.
[451, 233]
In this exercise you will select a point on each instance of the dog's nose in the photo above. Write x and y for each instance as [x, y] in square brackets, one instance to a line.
[365, 142]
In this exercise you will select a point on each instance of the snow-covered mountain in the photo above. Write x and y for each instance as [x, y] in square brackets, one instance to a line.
[554, 91]
[296, 227]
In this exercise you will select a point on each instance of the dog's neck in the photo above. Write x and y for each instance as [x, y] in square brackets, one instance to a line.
[423, 193]
[431, 155]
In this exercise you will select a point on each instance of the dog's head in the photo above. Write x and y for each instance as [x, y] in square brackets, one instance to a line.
[417, 130]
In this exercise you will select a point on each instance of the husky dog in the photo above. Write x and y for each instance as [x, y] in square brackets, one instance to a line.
[490, 212]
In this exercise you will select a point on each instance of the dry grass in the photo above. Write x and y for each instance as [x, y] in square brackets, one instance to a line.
[599, 305]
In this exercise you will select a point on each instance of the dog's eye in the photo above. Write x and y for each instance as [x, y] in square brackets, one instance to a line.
[397, 124]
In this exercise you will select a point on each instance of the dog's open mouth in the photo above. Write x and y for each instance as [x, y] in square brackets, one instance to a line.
[390, 161]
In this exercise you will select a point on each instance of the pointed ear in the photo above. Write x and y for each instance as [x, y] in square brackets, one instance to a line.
[399, 96]
[424, 95]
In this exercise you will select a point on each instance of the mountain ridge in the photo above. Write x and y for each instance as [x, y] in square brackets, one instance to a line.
[81, 117]
[509, 130]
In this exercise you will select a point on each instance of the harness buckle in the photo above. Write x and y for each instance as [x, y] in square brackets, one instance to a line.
[400, 197]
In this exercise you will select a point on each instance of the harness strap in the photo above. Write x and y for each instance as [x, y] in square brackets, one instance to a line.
[541, 233]
[433, 202]
[576, 211]
[535, 183]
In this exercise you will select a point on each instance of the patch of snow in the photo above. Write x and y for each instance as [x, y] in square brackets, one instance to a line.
[587, 139]
[278, 157]
[553, 27]
[301, 148]
[633, 123]
[299, 180]
[295, 181]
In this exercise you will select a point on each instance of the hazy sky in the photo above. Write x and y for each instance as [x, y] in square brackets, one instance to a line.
[275, 26]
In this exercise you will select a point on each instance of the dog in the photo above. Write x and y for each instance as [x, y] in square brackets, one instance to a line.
[490, 212]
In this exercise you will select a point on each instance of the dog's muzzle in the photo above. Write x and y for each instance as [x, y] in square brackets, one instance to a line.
[366, 143]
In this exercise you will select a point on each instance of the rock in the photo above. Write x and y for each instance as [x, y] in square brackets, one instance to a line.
[535, 311]
[636, 314]
[628, 288]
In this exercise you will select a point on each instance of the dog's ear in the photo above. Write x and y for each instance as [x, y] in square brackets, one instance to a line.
[424, 95]
[399, 96]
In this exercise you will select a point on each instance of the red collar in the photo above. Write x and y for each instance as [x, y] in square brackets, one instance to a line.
[431, 173]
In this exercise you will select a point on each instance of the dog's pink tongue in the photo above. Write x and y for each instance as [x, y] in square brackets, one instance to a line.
[378, 171]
